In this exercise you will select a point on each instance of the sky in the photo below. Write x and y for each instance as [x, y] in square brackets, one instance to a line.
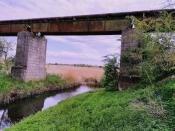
[75, 49]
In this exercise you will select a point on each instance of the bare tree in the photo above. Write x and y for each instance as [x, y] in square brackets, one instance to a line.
[6, 59]
[5, 48]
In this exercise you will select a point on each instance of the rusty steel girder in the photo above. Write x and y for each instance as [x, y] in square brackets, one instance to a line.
[102, 24]
[69, 27]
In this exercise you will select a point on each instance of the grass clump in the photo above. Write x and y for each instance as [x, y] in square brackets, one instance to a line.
[54, 80]
[131, 110]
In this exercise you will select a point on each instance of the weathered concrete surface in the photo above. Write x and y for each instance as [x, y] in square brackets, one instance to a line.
[30, 57]
[128, 75]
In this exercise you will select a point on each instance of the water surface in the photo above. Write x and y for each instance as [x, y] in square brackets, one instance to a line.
[13, 113]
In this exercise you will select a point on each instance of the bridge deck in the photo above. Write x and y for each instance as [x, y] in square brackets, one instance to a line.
[100, 24]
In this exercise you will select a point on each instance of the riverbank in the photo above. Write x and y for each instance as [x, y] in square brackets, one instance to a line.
[18, 110]
[12, 90]
[144, 107]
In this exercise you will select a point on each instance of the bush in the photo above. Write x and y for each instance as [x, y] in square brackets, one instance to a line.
[165, 92]
[111, 75]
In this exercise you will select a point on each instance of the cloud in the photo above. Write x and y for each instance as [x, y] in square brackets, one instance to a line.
[88, 49]
[12, 9]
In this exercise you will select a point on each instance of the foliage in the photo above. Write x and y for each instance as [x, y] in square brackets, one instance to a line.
[111, 74]
[157, 50]
[130, 110]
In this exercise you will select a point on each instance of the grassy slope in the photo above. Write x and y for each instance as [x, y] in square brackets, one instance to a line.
[137, 109]
[7, 84]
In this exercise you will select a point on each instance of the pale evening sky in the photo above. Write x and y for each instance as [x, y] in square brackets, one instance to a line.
[75, 49]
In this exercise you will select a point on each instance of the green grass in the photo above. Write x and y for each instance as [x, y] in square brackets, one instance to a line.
[139, 109]
[7, 84]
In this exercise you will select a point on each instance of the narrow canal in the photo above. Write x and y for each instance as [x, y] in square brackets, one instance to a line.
[13, 113]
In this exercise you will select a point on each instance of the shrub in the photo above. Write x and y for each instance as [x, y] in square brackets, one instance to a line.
[111, 74]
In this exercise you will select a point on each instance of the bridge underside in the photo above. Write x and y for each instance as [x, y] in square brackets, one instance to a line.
[69, 34]
[96, 27]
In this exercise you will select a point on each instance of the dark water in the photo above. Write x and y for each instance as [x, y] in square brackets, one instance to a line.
[15, 112]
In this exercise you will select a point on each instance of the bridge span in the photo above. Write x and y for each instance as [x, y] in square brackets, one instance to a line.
[99, 24]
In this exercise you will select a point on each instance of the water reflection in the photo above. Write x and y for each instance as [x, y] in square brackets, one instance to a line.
[14, 112]
[4, 120]
[53, 100]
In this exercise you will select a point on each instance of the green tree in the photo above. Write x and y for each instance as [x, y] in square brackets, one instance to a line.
[111, 75]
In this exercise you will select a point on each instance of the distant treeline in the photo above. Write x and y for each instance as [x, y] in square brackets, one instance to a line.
[77, 65]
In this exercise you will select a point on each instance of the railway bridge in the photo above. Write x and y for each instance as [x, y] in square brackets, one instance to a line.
[31, 43]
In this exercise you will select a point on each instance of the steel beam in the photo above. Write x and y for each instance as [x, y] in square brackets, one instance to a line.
[100, 24]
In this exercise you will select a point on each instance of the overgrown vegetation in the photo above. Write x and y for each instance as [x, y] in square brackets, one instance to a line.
[156, 55]
[132, 110]
[111, 74]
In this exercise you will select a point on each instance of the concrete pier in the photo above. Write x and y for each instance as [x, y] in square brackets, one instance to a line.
[128, 71]
[30, 57]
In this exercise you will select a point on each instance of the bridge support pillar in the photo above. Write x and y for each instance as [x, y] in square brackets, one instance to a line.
[30, 57]
[128, 71]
